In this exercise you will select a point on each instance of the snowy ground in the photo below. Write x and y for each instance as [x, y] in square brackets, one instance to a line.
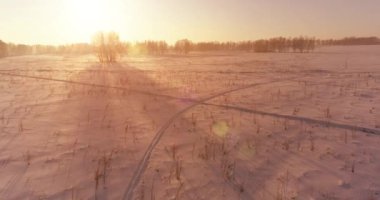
[204, 126]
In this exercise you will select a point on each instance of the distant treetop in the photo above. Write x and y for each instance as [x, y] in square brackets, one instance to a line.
[109, 48]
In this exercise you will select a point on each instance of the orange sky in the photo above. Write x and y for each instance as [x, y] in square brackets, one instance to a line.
[70, 21]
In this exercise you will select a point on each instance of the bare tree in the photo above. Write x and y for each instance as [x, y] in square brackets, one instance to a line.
[162, 47]
[108, 47]
[3, 49]
[262, 46]
[183, 46]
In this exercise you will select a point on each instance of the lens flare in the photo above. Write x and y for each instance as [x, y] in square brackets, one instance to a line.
[220, 128]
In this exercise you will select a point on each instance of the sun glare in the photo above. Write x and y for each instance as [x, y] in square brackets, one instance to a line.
[83, 18]
[90, 16]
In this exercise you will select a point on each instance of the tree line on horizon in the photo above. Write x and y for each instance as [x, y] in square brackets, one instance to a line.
[110, 42]
[352, 41]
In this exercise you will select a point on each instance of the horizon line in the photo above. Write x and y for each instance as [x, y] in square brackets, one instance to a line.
[193, 41]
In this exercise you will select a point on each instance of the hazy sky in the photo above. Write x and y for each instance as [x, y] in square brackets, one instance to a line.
[68, 21]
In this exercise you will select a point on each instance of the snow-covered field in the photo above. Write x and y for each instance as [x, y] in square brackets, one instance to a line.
[208, 126]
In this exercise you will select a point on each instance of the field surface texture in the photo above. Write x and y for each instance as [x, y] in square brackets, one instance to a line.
[203, 126]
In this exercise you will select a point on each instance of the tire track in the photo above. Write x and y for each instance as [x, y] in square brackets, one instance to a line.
[303, 119]
[93, 85]
[144, 161]
[134, 90]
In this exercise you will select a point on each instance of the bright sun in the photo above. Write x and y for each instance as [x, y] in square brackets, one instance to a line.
[83, 18]
[90, 16]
